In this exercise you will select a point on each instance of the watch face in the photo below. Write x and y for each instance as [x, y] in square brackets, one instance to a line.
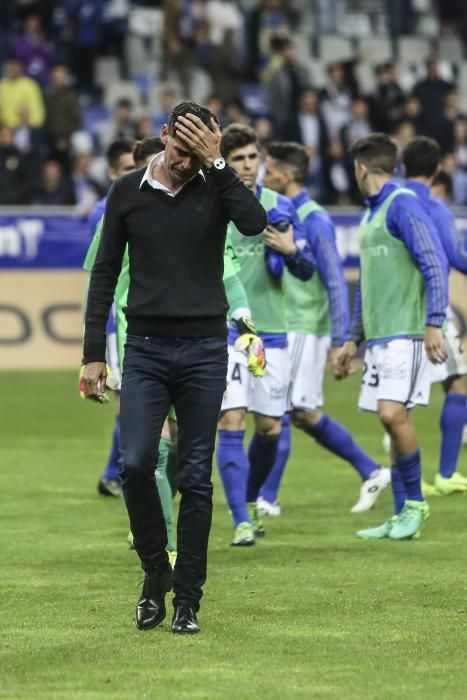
[219, 163]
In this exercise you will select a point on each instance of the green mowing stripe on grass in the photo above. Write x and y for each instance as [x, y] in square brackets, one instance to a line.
[309, 612]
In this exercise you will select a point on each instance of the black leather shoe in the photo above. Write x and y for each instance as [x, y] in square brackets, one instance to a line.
[150, 608]
[184, 620]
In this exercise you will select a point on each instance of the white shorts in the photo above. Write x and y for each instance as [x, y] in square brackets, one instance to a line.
[455, 364]
[308, 355]
[264, 395]
[395, 371]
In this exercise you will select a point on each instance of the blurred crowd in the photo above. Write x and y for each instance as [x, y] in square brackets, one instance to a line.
[57, 116]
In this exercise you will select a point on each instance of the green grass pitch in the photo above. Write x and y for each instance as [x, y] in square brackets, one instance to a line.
[309, 612]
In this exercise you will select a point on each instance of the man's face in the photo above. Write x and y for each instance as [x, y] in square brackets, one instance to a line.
[180, 162]
[125, 165]
[245, 162]
[275, 176]
[13, 69]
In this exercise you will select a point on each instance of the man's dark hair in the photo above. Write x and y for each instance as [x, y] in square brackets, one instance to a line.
[124, 102]
[184, 108]
[237, 136]
[294, 155]
[421, 157]
[445, 180]
[116, 149]
[377, 151]
[149, 146]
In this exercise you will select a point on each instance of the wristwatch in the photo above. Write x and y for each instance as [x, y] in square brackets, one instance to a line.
[219, 163]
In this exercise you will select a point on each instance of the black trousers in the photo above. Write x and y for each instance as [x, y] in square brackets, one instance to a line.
[189, 373]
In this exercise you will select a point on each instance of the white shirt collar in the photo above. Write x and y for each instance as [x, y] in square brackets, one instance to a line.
[155, 184]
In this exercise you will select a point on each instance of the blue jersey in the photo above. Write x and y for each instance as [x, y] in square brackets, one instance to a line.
[321, 237]
[444, 225]
[408, 221]
[96, 215]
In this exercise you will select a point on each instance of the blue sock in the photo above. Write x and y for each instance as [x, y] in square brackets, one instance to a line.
[233, 468]
[452, 421]
[410, 469]
[271, 485]
[338, 440]
[112, 469]
[398, 490]
[262, 454]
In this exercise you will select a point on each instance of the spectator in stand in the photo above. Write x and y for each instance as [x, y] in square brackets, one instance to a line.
[54, 188]
[86, 19]
[86, 189]
[452, 113]
[413, 113]
[285, 88]
[225, 67]
[144, 127]
[272, 18]
[18, 91]
[308, 128]
[441, 187]
[357, 127]
[459, 179]
[403, 132]
[432, 93]
[460, 142]
[336, 99]
[34, 51]
[28, 139]
[122, 124]
[14, 170]
[359, 124]
[216, 105]
[63, 115]
[387, 99]
[337, 184]
[235, 112]
[168, 100]
[181, 18]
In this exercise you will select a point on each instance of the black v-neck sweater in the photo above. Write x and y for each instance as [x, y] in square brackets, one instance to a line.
[176, 251]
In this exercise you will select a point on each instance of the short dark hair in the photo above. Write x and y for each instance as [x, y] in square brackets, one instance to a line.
[237, 136]
[291, 154]
[188, 107]
[116, 149]
[124, 102]
[421, 157]
[377, 151]
[150, 145]
[445, 180]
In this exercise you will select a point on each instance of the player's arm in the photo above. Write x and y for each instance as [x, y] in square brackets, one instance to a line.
[248, 341]
[453, 243]
[104, 275]
[91, 257]
[289, 243]
[342, 365]
[329, 265]
[408, 222]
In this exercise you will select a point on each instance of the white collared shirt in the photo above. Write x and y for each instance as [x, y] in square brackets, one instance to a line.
[156, 184]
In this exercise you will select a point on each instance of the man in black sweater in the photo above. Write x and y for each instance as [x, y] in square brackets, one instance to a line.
[173, 215]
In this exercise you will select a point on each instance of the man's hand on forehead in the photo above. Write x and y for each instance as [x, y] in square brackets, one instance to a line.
[201, 139]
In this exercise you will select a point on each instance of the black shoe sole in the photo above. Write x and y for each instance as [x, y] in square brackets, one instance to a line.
[183, 631]
[260, 533]
[248, 543]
